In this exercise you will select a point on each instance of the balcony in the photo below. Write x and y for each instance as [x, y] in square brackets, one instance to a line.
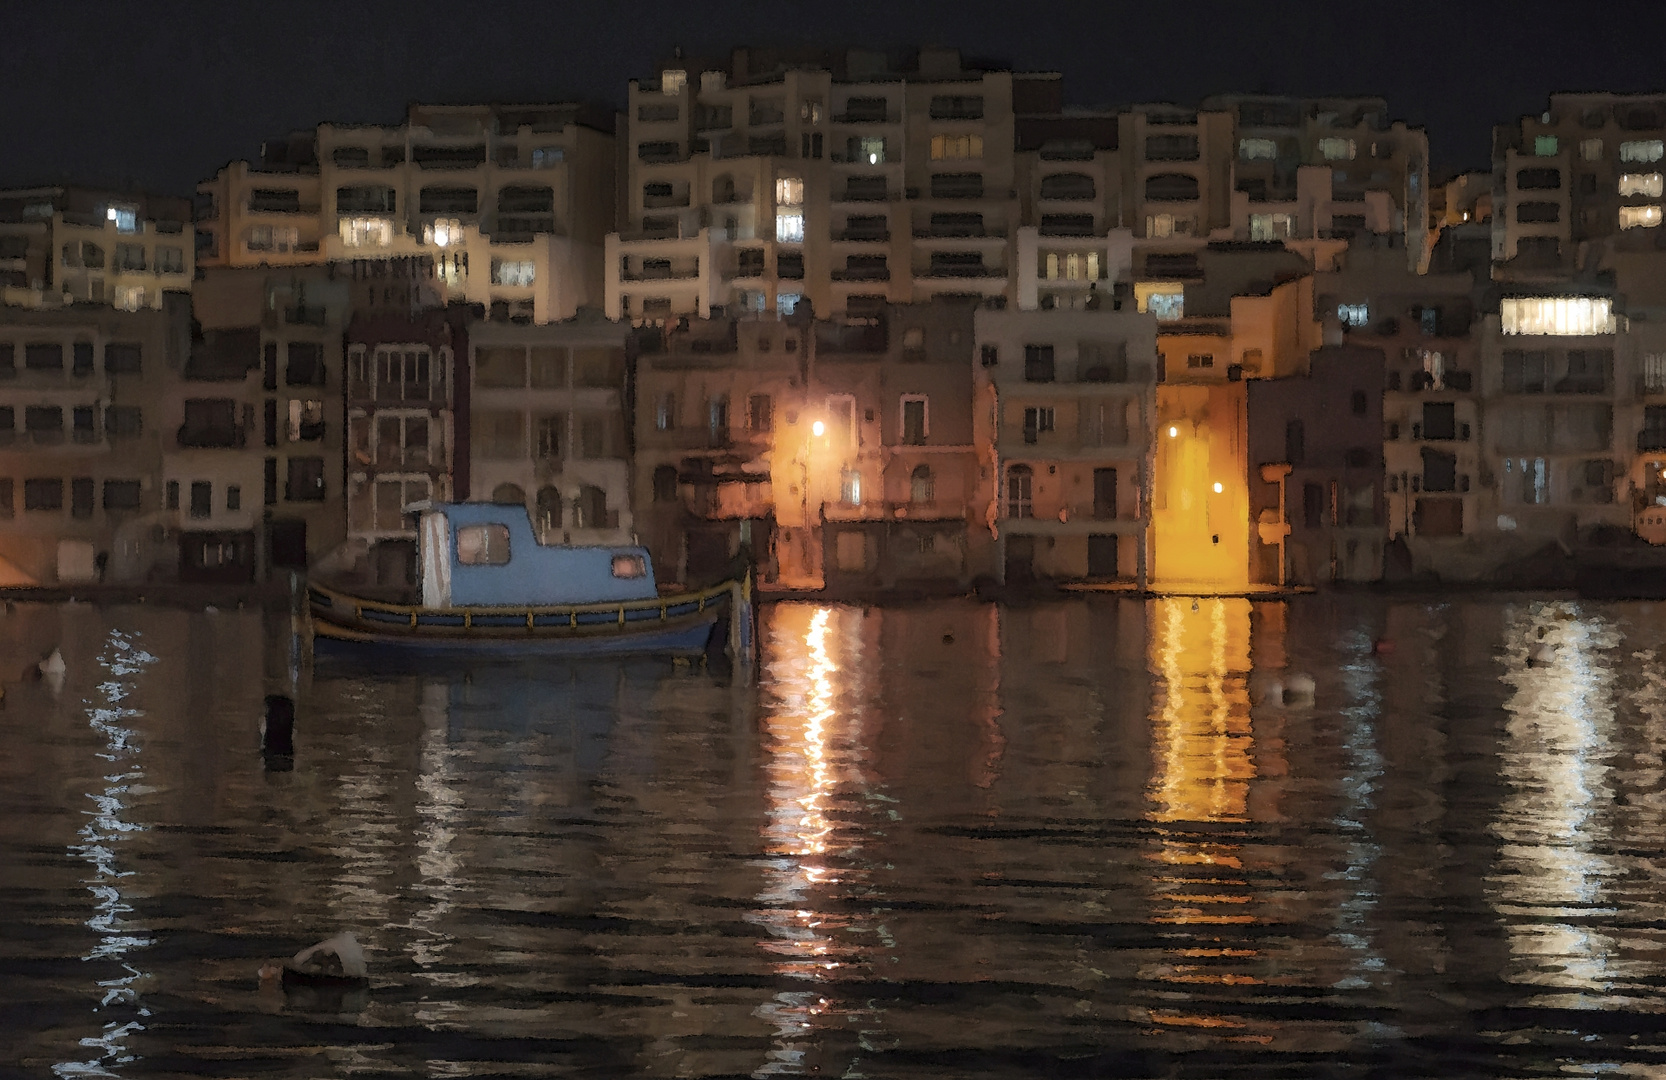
[304, 315]
[218, 438]
[1651, 439]
[662, 201]
[950, 270]
[864, 236]
[662, 271]
[866, 189]
[862, 273]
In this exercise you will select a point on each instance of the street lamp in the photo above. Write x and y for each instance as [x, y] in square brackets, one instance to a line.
[818, 429]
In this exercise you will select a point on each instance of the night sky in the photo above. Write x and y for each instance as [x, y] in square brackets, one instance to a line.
[160, 95]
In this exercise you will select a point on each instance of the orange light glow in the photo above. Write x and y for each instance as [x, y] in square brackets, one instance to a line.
[818, 429]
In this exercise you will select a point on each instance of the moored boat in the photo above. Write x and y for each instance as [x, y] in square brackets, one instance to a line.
[487, 584]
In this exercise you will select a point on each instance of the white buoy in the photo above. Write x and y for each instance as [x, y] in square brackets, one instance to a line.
[339, 958]
[1540, 654]
[53, 666]
[1298, 689]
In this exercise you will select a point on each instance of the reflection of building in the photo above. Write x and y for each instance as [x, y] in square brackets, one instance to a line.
[1065, 403]
[504, 206]
[546, 427]
[84, 425]
[74, 244]
[851, 179]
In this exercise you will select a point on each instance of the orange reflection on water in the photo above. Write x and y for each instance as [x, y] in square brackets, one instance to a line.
[1202, 772]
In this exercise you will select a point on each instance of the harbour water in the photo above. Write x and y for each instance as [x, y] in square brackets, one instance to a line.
[954, 839]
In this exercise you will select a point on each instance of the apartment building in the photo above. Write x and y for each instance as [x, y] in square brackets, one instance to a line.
[297, 316]
[1436, 477]
[1316, 470]
[73, 244]
[1588, 168]
[1073, 242]
[407, 406]
[547, 427]
[1244, 312]
[849, 179]
[902, 487]
[82, 434]
[506, 206]
[722, 413]
[1066, 407]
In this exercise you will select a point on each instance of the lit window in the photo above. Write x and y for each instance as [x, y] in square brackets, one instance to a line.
[1257, 149]
[956, 147]
[547, 157]
[789, 228]
[1591, 149]
[787, 302]
[1639, 217]
[483, 545]
[850, 487]
[1562, 316]
[132, 297]
[1164, 299]
[275, 238]
[789, 191]
[444, 232]
[1640, 184]
[871, 149]
[630, 566]
[1545, 145]
[1271, 226]
[125, 218]
[671, 82]
[1353, 314]
[1158, 226]
[515, 272]
[366, 231]
[1641, 150]
[1334, 149]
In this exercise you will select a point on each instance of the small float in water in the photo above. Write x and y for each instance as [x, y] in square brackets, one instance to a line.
[488, 585]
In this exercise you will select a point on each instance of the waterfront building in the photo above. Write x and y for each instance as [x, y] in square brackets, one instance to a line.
[84, 429]
[547, 416]
[505, 206]
[74, 244]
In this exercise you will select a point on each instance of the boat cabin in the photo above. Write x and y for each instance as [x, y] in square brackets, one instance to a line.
[485, 554]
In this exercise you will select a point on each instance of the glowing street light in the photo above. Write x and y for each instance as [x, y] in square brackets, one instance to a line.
[818, 428]
[1174, 432]
[1218, 488]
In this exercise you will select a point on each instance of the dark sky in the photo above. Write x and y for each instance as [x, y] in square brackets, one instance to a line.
[159, 95]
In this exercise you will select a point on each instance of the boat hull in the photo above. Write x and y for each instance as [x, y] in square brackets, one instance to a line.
[681, 625]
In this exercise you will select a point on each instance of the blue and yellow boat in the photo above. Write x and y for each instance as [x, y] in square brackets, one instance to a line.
[488, 585]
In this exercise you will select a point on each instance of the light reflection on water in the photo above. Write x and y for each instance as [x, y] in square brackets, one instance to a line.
[949, 839]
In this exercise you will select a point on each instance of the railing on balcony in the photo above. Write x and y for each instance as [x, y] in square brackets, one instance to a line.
[660, 272]
[875, 236]
[1650, 439]
[940, 270]
[304, 315]
[862, 273]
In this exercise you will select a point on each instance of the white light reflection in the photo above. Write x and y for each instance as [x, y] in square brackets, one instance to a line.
[440, 812]
[809, 759]
[103, 838]
[1551, 876]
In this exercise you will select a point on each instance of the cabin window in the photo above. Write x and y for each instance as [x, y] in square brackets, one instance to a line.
[483, 545]
[629, 566]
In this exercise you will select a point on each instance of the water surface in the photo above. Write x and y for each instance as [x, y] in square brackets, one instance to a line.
[947, 840]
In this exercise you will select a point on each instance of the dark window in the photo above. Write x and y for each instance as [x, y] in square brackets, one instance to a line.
[269, 369]
[371, 199]
[1171, 187]
[121, 494]
[6, 498]
[1524, 370]
[44, 423]
[789, 264]
[1440, 471]
[1295, 442]
[234, 497]
[1313, 506]
[306, 364]
[526, 200]
[83, 423]
[43, 357]
[8, 424]
[950, 107]
[665, 483]
[1102, 555]
[914, 421]
[989, 355]
[1538, 213]
[1038, 363]
[8, 360]
[1539, 179]
[659, 151]
[202, 498]
[750, 262]
[1440, 420]
[1171, 148]
[761, 412]
[82, 362]
[351, 157]
[1066, 225]
[81, 497]
[1104, 494]
[1358, 402]
[270, 422]
[270, 482]
[123, 421]
[1587, 371]
[448, 200]
[173, 495]
[957, 185]
[123, 358]
[43, 494]
[306, 480]
[1067, 186]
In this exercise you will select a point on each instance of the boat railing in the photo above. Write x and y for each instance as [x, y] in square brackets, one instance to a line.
[509, 616]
